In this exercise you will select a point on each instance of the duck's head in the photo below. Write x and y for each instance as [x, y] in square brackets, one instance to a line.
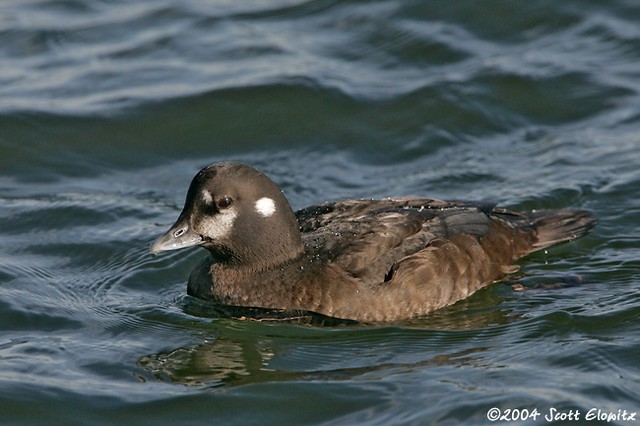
[239, 215]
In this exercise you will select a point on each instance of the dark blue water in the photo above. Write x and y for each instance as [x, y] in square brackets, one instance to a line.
[108, 108]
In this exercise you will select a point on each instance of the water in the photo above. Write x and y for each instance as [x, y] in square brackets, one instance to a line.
[108, 108]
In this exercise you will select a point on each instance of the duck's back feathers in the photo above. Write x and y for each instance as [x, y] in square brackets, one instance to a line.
[368, 238]
[422, 254]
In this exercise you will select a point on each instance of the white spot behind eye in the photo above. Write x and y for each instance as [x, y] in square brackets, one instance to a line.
[265, 206]
[206, 196]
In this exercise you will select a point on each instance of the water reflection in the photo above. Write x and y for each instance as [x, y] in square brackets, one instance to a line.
[212, 363]
[245, 346]
[224, 362]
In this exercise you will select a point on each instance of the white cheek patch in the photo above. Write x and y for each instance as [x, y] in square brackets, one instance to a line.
[207, 197]
[219, 225]
[265, 206]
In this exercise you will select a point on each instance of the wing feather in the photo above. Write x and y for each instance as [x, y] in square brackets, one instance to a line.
[370, 239]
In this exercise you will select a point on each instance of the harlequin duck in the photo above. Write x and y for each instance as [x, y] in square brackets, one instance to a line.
[363, 260]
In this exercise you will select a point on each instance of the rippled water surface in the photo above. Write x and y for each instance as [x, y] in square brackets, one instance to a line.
[108, 108]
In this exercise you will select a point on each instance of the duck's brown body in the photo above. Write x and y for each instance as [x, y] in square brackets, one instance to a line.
[366, 260]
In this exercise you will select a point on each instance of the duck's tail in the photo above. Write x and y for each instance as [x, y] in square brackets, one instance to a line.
[558, 226]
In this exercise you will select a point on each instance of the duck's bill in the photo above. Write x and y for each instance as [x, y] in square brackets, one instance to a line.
[179, 236]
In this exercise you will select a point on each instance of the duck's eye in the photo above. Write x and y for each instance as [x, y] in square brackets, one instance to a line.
[224, 202]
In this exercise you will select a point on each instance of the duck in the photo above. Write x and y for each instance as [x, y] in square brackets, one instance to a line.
[366, 260]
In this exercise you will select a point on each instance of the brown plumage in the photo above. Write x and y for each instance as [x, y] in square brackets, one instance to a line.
[366, 260]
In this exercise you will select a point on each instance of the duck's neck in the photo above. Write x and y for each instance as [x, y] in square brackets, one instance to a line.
[264, 255]
[244, 285]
